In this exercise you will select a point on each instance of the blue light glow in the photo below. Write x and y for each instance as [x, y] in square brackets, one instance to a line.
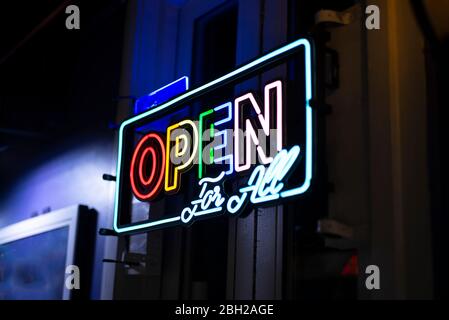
[161, 95]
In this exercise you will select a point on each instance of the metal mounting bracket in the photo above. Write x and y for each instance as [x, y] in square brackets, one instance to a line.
[333, 18]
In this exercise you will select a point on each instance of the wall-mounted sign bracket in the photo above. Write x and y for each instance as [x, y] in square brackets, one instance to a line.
[335, 18]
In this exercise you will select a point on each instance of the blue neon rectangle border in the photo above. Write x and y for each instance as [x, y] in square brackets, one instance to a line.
[285, 50]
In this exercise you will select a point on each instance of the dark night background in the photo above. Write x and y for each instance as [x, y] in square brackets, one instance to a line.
[59, 83]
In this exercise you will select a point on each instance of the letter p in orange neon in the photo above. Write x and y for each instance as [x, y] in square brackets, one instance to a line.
[178, 158]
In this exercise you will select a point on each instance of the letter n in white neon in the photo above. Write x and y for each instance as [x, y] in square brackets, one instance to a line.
[241, 125]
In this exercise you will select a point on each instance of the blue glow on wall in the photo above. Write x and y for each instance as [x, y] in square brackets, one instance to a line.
[69, 176]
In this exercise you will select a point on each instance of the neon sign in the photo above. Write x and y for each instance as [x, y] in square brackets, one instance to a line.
[192, 149]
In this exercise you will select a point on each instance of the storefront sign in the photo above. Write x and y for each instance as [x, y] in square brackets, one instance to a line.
[208, 152]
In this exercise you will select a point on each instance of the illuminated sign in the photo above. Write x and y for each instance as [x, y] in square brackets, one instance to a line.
[161, 95]
[221, 147]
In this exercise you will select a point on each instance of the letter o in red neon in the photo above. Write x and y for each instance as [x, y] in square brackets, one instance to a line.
[148, 167]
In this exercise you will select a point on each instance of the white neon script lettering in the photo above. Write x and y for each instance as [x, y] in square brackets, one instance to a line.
[210, 201]
[265, 184]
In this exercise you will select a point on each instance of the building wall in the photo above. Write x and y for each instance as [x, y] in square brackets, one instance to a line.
[378, 149]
